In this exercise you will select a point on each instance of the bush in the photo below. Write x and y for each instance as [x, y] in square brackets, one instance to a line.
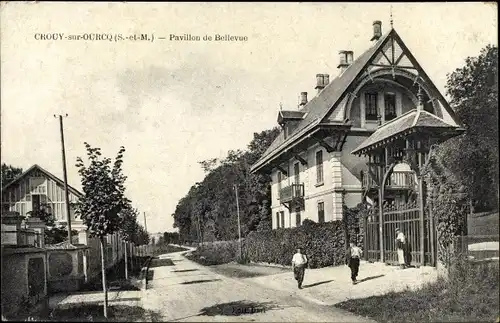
[469, 295]
[323, 243]
[215, 253]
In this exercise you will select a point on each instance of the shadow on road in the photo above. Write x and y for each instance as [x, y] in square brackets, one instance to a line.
[369, 278]
[161, 263]
[183, 270]
[318, 283]
[134, 299]
[199, 281]
[238, 308]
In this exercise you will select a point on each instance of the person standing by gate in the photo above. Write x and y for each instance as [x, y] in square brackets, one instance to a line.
[401, 248]
[299, 262]
[353, 255]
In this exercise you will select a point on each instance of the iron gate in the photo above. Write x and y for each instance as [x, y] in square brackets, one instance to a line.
[406, 217]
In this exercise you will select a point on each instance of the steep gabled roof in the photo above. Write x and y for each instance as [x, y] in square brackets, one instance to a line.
[416, 118]
[318, 109]
[320, 105]
[46, 173]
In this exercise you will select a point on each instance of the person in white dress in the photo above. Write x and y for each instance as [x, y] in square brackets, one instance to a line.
[401, 245]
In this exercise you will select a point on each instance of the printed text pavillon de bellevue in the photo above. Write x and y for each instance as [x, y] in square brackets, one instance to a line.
[215, 37]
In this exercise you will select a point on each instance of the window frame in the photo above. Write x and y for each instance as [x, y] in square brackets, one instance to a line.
[369, 109]
[296, 175]
[393, 114]
[320, 176]
[298, 220]
[321, 212]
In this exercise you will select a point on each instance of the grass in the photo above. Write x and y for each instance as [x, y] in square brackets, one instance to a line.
[116, 276]
[161, 262]
[218, 253]
[469, 295]
[95, 313]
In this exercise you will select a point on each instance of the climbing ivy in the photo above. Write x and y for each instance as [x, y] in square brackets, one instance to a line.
[449, 203]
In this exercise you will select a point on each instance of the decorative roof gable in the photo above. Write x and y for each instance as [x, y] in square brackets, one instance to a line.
[36, 168]
[388, 52]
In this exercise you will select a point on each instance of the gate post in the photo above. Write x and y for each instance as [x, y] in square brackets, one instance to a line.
[365, 243]
[431, 235]
[381, 219]
[421, 210]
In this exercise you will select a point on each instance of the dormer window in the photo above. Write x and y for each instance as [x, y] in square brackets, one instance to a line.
[371, 106]
[390, 106]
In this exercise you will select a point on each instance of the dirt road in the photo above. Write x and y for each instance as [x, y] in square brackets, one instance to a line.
[181, 290]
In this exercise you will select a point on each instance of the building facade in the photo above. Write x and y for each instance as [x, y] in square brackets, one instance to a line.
[310, 162]
[37, 188]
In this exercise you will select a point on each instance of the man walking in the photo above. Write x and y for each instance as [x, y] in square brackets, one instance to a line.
[299, 262]
[353, 256]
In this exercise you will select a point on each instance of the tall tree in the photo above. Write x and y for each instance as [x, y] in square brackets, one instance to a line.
[104, 199]
[209, 208]
[473, 157]
[9, 173]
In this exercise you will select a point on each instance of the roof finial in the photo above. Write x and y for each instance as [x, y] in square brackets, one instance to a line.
[281, 106]
[392, 21]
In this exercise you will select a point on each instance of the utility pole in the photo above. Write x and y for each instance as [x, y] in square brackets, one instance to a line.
[66, 194]
[145, 224]
[238, 212]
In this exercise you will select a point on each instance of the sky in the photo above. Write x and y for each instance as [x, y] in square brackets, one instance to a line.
[175, 103]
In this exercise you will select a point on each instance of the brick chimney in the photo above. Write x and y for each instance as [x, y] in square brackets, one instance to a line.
[345, 59]
[377, 30]
[303, 99]
[326, 79]
[319, 82]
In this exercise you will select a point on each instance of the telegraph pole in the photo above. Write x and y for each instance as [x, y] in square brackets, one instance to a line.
[66, 194]
[145, 225]
[238, 212]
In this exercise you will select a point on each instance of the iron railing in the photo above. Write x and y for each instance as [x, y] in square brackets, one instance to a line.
[397, 180]
[291, 192]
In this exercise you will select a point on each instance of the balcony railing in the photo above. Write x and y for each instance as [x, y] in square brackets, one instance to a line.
[397, 180]
[291, 192]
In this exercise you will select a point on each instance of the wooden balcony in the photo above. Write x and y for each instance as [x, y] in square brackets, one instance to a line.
[291, 192]
[399, 180]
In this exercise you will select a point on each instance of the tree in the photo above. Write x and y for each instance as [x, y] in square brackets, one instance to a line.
[104, 199]
[9, 173]
[209, 208]
[128, 230]
[142, 236]
[473, 157]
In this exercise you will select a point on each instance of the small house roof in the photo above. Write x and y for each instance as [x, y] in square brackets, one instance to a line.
[416, 118]
[46, 173]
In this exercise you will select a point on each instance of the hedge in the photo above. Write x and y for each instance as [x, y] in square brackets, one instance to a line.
[324, 244]
[215, 253]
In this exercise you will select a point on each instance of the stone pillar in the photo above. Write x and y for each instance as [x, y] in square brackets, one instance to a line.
[337, 185]
[11, 222]
[83, 237]
[39, 227]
